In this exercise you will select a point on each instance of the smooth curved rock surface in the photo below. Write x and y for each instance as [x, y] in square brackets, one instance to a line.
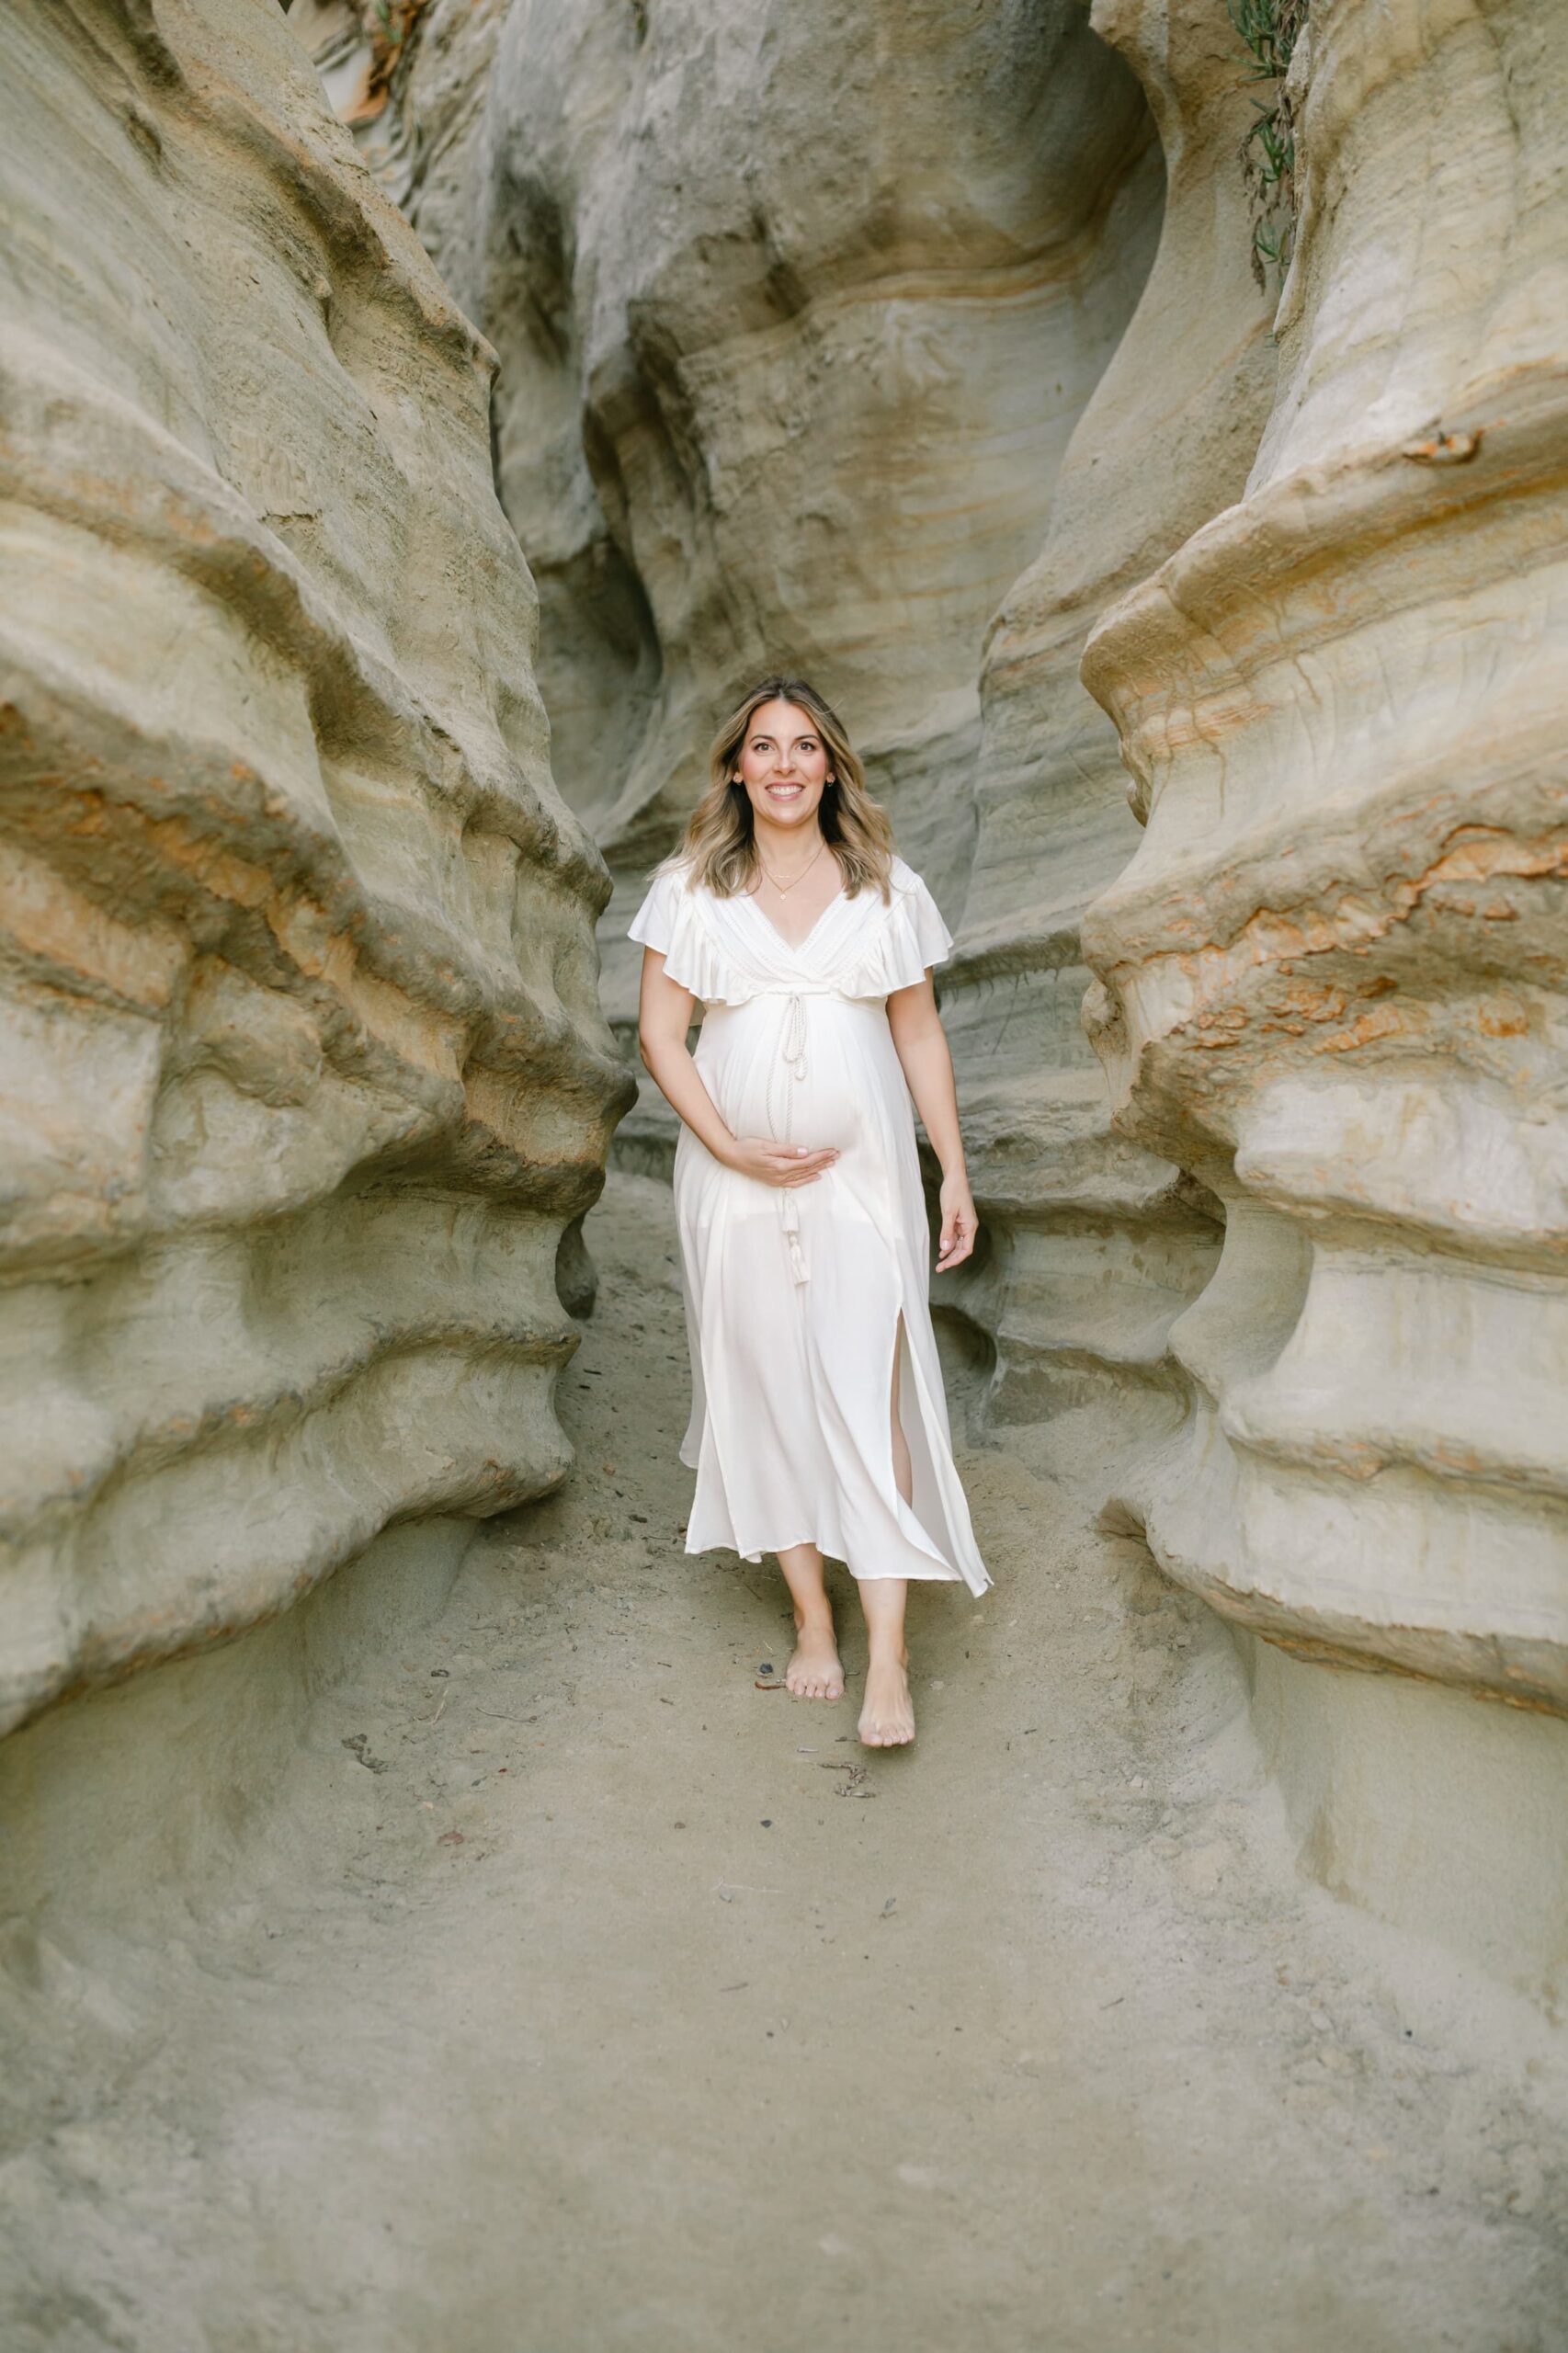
[304, 1074]
[796, 313]
[1332, 978]
[1096, 1242]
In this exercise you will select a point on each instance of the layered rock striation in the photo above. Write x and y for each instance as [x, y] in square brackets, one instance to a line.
[797, 311]
[304, 1074]
[1330, 981]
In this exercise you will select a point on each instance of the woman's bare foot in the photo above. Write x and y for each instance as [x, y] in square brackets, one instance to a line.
[887, 1719]
[815, 1671]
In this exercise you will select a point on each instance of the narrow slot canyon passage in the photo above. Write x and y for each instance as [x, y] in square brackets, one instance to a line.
[571, 1991]
[428, 1924]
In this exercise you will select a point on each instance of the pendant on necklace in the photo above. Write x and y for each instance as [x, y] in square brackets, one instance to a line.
[784, 888]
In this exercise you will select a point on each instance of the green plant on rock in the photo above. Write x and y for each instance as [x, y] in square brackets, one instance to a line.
[1270, 29]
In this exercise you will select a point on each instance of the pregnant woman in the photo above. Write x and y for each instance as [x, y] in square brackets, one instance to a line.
[819, 1423]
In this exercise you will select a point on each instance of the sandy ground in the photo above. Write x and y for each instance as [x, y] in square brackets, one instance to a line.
[576, 1993]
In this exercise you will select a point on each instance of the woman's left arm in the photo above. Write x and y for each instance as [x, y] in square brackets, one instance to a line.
[922, 1046]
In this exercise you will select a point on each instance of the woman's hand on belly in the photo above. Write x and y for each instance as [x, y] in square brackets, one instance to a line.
[779, 1164]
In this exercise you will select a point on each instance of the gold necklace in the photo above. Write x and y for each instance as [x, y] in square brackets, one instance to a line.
[784, 888]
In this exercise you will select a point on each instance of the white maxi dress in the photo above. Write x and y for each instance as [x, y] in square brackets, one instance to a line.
[796, 1297]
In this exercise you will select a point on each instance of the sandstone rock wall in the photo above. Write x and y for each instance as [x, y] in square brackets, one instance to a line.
[797, 311]
[1096, 1242]
[304, 1074]
[1331, 979]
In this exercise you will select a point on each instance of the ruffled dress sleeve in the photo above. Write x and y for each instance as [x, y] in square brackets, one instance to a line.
[902, 945]
[653, 924]
[933, 940]
[670, 921]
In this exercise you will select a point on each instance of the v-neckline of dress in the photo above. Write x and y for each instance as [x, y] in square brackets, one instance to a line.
[794, 946]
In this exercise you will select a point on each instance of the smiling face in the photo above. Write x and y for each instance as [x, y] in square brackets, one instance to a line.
[784, 764]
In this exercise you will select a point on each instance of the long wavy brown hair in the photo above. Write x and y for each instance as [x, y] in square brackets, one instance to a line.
[720, 841]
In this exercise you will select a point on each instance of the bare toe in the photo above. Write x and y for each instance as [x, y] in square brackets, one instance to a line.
[815, 1673]
[887, 1720]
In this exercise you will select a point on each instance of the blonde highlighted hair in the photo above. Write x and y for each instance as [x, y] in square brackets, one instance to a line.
[720, 844]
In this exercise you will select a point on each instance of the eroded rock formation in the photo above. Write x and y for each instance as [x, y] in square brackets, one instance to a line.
[834, 383]
[304, 1073]
[772, 396]
[1097, 1242]
[1332, 978]
[879, 341]
[796, 316]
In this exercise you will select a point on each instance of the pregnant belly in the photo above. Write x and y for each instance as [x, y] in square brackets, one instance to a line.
[741, 1058]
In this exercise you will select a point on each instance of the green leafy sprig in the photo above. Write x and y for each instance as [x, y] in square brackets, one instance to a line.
[1270, 29]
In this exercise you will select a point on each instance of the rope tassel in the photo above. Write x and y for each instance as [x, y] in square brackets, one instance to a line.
[798, 1267]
